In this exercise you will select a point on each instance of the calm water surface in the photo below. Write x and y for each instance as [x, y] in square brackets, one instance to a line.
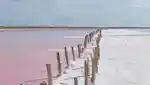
[23, 54]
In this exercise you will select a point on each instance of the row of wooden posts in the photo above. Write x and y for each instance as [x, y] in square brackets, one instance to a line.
[88, 80]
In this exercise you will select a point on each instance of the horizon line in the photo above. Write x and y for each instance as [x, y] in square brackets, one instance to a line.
[65, 27]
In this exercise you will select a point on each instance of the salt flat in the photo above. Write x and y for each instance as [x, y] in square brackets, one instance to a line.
[124, 59]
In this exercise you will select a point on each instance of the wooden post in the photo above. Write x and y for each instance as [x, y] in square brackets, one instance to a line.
[93, 71]
[85, 41]
[97, 41]
[94, 52]
[100, 33]
[92, 34]
[43, 83]
[98, 51]
[88, 72]
[59, 64]
[99, 37]
[98, 30]
[73, 54]
[98, 54]
[49, 74]
[90, 37]
[96, 58]
[96, 65]
[85, 73]
[79, 50]
[75, 81]
[66, 55]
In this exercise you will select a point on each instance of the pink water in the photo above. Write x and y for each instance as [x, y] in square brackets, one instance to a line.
[23, 54]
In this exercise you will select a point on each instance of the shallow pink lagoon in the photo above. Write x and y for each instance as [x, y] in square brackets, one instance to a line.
[23, 54]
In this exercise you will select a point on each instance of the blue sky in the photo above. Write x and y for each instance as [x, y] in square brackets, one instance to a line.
[75, 12]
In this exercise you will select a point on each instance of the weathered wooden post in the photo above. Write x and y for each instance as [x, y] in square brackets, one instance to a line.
[90, 37]
[75, 81]
[96, 64]
[85, 41]
[96, 58]
[87, 37]
[67, 59]
[98, 52]
[92, 34]
[79, 50]
[98, 30]
[85, 73]
[43, 83]
[100, 33]
[98, 47]
[73, 54]
[98, 39]
[88, 72]
[59, 64]
[49, 74]
[94, 53]
[93, 71]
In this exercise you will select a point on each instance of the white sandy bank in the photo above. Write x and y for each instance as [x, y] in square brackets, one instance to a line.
[124, 59]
